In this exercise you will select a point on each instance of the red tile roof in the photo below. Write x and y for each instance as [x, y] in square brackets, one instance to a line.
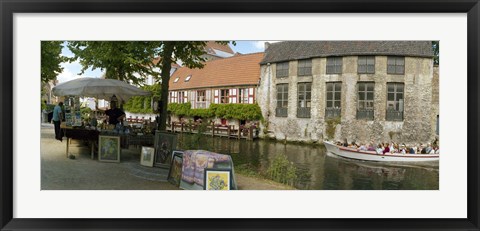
[233, 71]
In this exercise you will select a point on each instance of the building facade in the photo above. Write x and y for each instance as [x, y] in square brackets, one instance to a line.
[361, 91]
[220, 81]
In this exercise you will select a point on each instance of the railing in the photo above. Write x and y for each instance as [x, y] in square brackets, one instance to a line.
[281, 112]
[303, 112]
[394, 115]
[333, 112]
[249, 132]
[365, 114]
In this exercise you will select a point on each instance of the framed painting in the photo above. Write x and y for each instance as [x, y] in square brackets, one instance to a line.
[175, 172]
[26, 208]
[177, 152]
[217, 179]
[146, 156]
[165, 143]
[109, 148]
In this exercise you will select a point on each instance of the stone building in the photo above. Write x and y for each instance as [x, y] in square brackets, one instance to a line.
[359, 90]
[220, 81]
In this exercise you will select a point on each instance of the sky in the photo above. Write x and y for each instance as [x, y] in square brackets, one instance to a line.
[71, 70]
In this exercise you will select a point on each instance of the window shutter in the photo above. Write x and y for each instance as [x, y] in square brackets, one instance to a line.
[215, 96]
[232, 96]
[251, 95]
[208, 98]
[193, 98]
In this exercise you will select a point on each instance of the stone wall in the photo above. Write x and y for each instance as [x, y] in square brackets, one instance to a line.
[419, 114]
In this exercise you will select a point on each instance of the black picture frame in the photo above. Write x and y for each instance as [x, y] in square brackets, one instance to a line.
[165, 144]
[230, 176]
[9, 7]
[170, 178]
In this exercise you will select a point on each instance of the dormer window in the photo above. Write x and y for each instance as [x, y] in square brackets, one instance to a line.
[188, 78]
[176, 80]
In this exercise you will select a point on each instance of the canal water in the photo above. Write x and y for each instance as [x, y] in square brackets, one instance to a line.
[310, 167]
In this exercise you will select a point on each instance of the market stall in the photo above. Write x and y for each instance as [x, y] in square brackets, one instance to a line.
[91, 128]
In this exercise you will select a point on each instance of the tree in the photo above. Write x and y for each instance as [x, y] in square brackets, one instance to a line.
[122, 60]
[436, 52]
[50, 60]
[127, 60]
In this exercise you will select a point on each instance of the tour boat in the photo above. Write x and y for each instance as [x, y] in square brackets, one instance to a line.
[353, 153]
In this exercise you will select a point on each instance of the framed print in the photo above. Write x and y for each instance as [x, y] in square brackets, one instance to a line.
[165, 143]
[177, 152]
[175, 172]
[296, 90]
[146, 156]
[68, 119]
[109, 148]
[217, 179]
[77, 119]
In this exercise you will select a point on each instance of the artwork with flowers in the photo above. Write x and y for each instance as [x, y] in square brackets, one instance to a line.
[109, 148]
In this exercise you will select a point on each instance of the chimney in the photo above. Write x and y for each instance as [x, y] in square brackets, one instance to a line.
[267, 44]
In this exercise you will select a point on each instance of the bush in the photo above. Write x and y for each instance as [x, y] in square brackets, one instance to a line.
[142, 104]
[331, 125]
[179, 109]
[283, 171]
[228, 111]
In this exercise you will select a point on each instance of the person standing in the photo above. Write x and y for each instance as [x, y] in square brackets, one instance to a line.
[115, 115]
[57, 119]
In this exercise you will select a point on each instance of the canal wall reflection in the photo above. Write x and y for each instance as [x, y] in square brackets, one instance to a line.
[315, 169]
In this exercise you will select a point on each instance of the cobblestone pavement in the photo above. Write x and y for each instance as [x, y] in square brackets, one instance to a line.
[83, 173]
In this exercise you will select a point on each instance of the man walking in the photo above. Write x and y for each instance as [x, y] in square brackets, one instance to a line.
[57, 119]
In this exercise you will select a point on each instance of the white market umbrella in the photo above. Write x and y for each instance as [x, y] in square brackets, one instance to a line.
[98, 88]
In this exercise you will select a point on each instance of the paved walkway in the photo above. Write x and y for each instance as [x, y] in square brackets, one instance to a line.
[83, 173]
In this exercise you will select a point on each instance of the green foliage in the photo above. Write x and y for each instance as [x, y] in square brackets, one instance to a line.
[237, 111]
[44, 105]
[203, 113]
[85, 112]
[247, 170]
[50, 60]
[331, 124]
[228, 111]
[282, 170]
[122, 60]
[143, 104]
[436, 52]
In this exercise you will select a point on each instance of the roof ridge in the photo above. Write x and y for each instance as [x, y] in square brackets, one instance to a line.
[235, 56]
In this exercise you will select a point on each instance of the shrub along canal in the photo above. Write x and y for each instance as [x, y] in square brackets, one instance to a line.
[310, 167]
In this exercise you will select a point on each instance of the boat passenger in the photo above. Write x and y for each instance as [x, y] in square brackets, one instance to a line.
[413, 150]
[386, 149]
[423, 149]
[345, 143]
[419, 148]
[371, 147]
[362, 147]
[353, 145]
[429, 148]
[379, 149]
